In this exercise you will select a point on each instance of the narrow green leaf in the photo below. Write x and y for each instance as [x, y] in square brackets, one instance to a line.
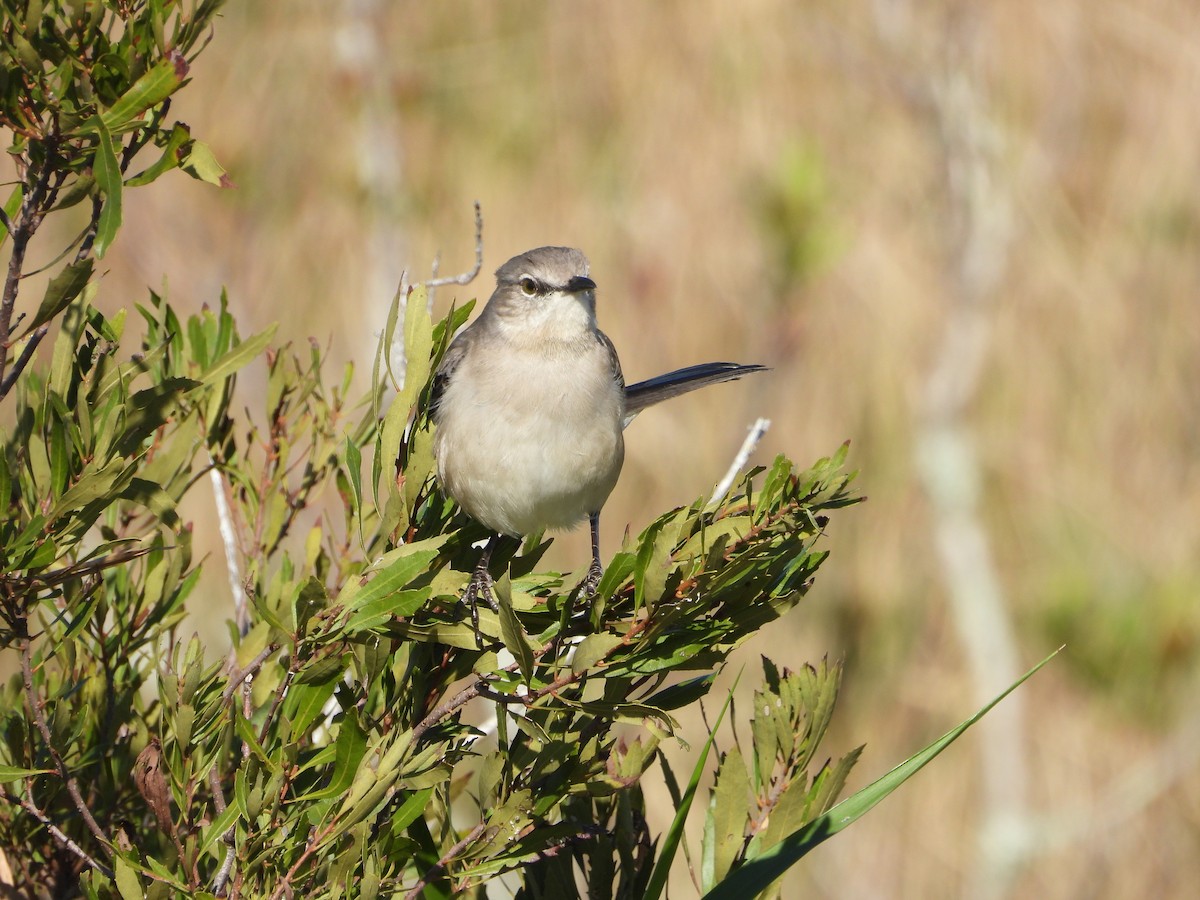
[222, 823]
[351, 747]
[237, 357]
[305, 702]
[511, 632]
[61, 291]
[393, 571]
[755, 875]
[169, 159]
[77, 190]
[11, 205]
[155, 86]
[108, 178]
[397, 604]
[354, 471]
[592, 649]
[104, 481]
[411, 809]
[670, 846]
[15, 773]
[683, 694]
[64, 359]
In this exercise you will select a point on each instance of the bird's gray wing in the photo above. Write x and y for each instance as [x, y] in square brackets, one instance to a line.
[445, 371]
[664, 387]
[618, 375]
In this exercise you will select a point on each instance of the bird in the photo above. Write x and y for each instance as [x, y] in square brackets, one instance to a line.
[529, 406]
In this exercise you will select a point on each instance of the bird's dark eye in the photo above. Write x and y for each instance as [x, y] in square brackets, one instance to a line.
[529, 287]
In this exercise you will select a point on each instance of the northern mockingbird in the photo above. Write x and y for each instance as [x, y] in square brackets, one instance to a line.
[530, 405]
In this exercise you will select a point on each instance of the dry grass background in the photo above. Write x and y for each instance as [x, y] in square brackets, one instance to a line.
[770, 181]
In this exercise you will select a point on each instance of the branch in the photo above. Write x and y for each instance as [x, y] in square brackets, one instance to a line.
[26, 355]
[478, 687]
[252, 667]
[314, 841]
[29, 218]
[30, 807]
[465, 277]
[757, 430]
[441, 864]
[241, 611]
[214, 783]
[39, 718]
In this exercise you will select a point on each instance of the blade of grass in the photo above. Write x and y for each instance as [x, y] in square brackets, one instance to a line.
[662, 868]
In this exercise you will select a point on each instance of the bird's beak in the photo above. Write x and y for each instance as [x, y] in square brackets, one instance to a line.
[580, 283]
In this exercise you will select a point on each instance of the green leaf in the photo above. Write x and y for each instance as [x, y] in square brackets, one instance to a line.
[200, 163]
[237, 357]
[594, 648]
[662, 868]
[381, 608]
[682, 694]
[413, 807]
[150, 408]
[351, 747]
[354, 471]
[725, 824]
[108, 178]
[62, 289]
[11, 205]
[305, 702]
[169, 159]
[755, 875]
[128, 882]
[222, 823]
[393, 571]
[80, 188]
[64, 359]
[156, 85]
[15, 773]
[104, 481]
[511, 633]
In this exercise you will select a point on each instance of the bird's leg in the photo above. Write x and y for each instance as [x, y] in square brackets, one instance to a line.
[480, 587]
[595, 571]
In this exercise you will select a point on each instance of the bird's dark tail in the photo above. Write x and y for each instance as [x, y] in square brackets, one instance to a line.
[664, 387]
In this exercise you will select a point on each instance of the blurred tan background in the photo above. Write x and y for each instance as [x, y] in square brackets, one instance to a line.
[965, 236]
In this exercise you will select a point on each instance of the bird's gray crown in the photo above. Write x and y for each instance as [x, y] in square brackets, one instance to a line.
[553, 267]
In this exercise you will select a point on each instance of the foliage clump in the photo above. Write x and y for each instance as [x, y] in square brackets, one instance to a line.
[358, 736]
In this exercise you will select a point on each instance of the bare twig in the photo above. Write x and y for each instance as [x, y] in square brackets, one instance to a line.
[30, 807]
[218, 795]
[23, 360]
[314, 841]
[21, 232]
[471, 836]
[39, 718]
[241, 605]
[240, 676]
[77, 570]
[465, 277]
[757, 430]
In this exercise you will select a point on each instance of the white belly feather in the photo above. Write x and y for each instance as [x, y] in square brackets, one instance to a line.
[531, 439]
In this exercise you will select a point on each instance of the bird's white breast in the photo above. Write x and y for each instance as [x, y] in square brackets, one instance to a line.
[529, 433]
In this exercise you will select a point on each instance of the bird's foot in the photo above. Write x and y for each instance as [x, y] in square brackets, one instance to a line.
[592, 580]
[480, 587]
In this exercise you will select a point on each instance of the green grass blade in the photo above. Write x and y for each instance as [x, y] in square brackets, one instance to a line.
[662, 868]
